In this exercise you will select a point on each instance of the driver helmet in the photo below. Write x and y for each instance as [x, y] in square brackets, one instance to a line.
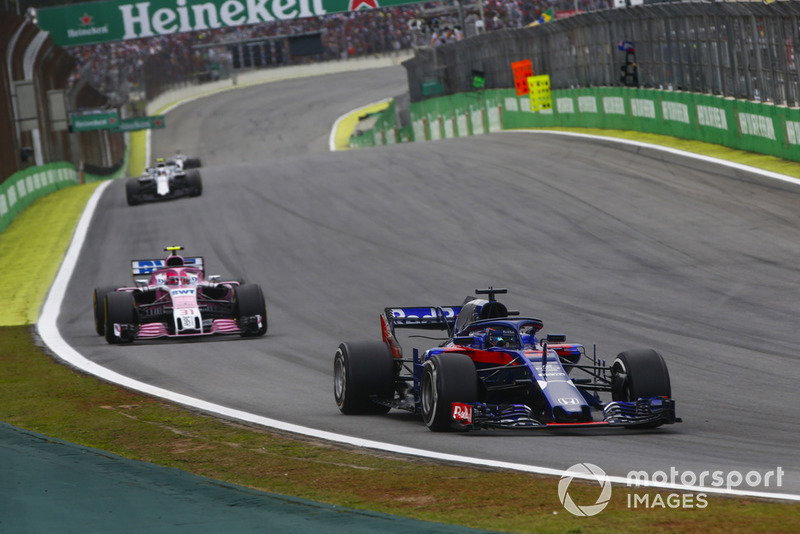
[174, 278]
[495, 338]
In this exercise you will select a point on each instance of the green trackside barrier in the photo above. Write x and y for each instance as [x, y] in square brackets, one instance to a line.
[750, 126]
[27, 185]
[383, 132]
[405, 134]
[386, 127]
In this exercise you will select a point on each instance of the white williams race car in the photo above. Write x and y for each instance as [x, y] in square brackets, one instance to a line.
[165, 181]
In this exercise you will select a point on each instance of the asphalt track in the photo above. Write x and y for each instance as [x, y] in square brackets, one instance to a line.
[615, 245]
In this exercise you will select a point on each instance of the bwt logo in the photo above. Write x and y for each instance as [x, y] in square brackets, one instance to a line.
[176, 292]
[585, 471]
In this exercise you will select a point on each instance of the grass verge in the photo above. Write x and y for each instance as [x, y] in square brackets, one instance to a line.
[31, 250]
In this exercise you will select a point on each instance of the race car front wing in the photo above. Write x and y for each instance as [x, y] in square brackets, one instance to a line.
[647, 412]
[128, 332]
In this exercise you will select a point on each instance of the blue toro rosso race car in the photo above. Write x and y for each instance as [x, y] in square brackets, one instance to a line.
[494, 370]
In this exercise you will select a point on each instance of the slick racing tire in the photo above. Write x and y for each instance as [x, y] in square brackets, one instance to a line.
[446, 378]
[192, 163]
[194, 183]
[132, 192]
[249, 301]
[99, 304]
[363, 371]
[639, 373]
[120, 308]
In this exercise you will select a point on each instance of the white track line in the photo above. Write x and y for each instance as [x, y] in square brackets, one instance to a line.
[670, 150]
[51, 336]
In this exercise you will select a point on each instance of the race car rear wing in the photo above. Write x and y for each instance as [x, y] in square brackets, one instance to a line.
[140, 267]
[424, 318]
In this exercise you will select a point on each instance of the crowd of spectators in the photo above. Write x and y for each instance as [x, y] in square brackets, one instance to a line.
[117, 68]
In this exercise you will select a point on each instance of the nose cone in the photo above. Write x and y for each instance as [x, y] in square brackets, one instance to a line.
[572, 413]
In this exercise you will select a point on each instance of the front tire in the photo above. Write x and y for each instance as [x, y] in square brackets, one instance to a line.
[248, 302]
[132, 192]
[194, 183]
[362, 370]
[446, 378]
[120, 308]
[99, 305]
[639, 373]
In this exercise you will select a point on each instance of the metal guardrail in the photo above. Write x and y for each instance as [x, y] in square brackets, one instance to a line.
[744, 50]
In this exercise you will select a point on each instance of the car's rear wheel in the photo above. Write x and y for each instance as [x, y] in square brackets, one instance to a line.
[446, 378]
[99, 305]
[120, 308]
[639, 373]
[132, 192]
[248, 302]
[363, 371]
[194, 183]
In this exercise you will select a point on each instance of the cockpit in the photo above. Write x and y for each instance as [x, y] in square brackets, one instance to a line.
[176, 277]
[504, 336]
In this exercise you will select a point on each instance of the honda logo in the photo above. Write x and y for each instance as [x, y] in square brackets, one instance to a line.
[569, 401]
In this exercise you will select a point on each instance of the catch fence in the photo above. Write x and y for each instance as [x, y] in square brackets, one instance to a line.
[743, 50]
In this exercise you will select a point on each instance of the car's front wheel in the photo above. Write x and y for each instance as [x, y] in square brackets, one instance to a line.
[446, 378]
[249, 302]
[99, 305]
[120, 308]
[132, 192]
[194, 183]
[639, 373]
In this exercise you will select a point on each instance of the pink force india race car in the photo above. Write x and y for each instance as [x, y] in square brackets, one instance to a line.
[176, 300]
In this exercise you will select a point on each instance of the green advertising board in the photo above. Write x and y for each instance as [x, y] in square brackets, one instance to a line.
[94, 121]
[141, 123]
[118, 20]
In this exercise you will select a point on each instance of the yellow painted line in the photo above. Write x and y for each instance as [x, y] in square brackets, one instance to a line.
[345, 125]
[138, 153]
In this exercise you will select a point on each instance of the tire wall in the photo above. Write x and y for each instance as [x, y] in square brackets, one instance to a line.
[744, 125]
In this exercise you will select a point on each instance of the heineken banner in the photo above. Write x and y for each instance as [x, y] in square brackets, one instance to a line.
[94, 121]
[97, 22]
[140, 123]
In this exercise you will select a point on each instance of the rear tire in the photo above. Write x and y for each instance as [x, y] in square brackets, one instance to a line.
[99, 305]
[446, 378]
[132, 192]
[362, 370]
[639, 373]
[249, 301]
[120, 308]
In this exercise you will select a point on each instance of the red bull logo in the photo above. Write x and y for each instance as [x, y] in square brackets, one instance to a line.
[462, 413]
